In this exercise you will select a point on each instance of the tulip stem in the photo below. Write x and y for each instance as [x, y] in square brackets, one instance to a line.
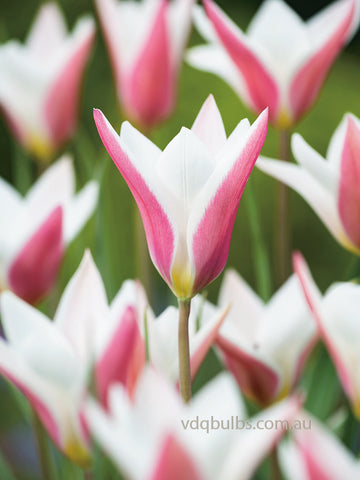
[283, 240]
[184, 351]
[43, 449]
[275, 467]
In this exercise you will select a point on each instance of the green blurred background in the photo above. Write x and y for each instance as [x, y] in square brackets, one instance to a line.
[109, 233]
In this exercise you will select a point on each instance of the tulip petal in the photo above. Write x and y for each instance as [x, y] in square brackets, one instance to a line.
[272, 23]
[56, 186]
[148, 92]
[256, 443]
[204, 339]
[262, 88]
[83, 308]
[256, 379]
[307, 82]
[340, 351]
[47, 32]
[349, 191]
[214, 59]
[159, 231]
[62, 100]
[208, 126]
[319, 168]
[211, 220]
[246, 308]
[34, 270]
[123, 358]
[14, 369]
[80, 209]
[315, 444]
[321, 200]
[179, 24]
[174, 462]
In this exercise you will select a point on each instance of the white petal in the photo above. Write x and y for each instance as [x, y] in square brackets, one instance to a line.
[292, 465]
[254, 444]
[209, 127]
[179, 23]
[320, 200]
[246, 309]
[287, 329]
[80, 209]
[184, 167]
[203, 24]
[55, 187]
[48, 31]
[83, 309]
[163, 342]
[214, 59]
[280, 37]
[20, 319]
[320, 169]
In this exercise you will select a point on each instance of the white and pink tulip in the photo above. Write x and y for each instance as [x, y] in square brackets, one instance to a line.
[145, 41]
[316, 453]
[330, 186]
[188, 194]
[281, 62]
[265, 346]
[152, 437]
[40, 81]
[36, 229]
[336, 314]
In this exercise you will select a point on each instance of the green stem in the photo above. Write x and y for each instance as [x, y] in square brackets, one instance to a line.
[22, 170]
[184, 351]
[283, 240]
[43, 450]
[275, 467]
[261, 259]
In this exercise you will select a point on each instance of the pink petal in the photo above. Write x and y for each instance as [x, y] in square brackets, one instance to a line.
[349, 191]
[307, 83]
[159, 232]
[148, 89]
[261, 85]
[256, 379]
[198, 356]
[312, 297]
[174, 463]
[124, 357]
[35, 269]
[211, 240]
[62, 102]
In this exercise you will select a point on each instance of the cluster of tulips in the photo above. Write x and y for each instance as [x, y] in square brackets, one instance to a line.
[115, 377]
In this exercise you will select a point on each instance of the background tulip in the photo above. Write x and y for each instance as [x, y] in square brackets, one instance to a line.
[36, 229]
[40, 81]
[281, 62]
[145, 41]
[330, 186]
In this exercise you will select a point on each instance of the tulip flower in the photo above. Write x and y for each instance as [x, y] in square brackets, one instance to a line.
[329, 186]
[281, 61]
[265, 346]
[189, 193]
[40, 81]
[35, 229]
[51, 361]
[315, 453]
[145, 41]
[336, 314]
[158, 437]
[204, 323]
